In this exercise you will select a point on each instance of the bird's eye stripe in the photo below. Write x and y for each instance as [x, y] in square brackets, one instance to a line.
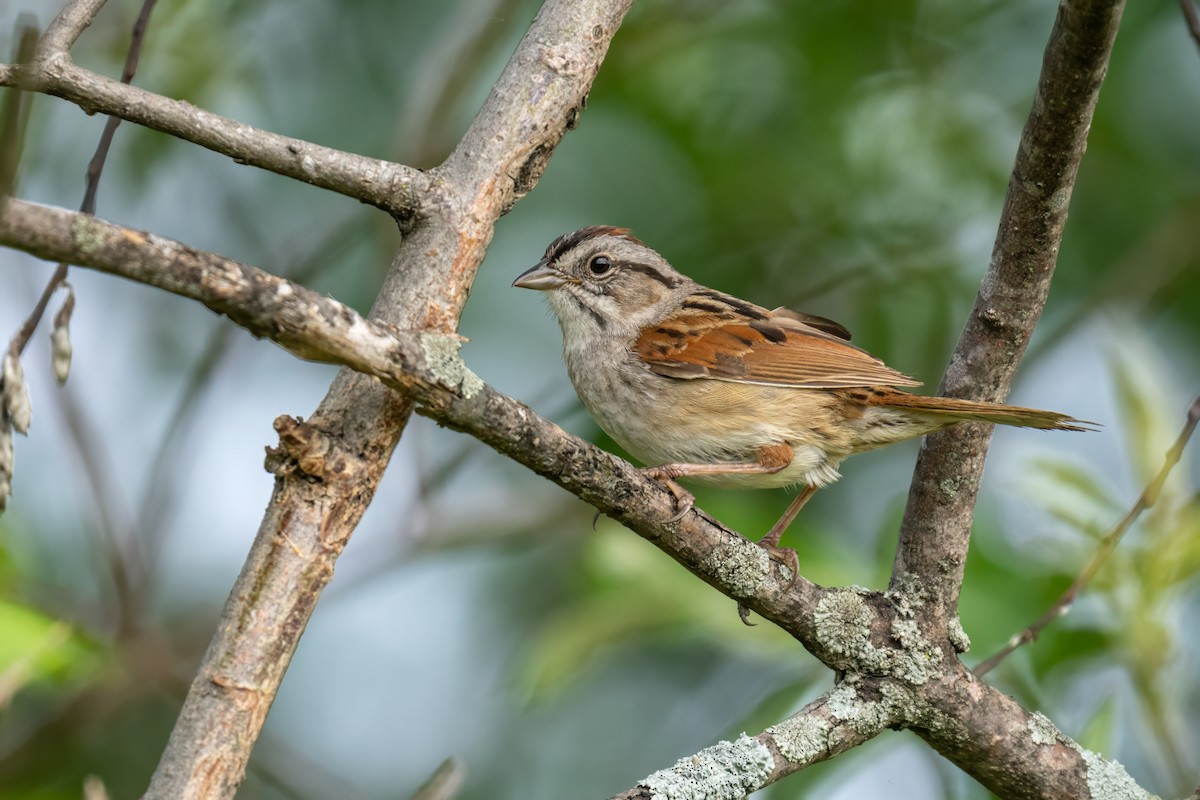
[646, 269]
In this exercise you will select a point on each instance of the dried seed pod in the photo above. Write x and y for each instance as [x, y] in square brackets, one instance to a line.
[16, 394]
[6, 462]
[60, 337]
[60, 352]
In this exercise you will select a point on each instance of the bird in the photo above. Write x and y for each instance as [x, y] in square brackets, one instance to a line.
[702, 385]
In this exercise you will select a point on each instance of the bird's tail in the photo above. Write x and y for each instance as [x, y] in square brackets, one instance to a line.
[997, 413]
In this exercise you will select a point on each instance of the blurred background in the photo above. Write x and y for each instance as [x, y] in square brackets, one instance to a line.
[847, 159]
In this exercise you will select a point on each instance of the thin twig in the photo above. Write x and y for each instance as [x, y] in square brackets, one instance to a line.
[111, 518]
[1192, 17]
[1108, 544]
[445, 783]
[96, 166]
[396, 188]
[123, 555]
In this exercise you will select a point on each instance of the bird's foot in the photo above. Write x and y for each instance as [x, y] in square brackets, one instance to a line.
[685, 501]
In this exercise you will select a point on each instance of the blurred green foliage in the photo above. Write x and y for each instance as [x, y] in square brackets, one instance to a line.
[849, 159]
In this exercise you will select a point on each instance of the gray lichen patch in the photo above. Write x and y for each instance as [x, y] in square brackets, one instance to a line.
[739, 566]
[889, 703]
[725, 771]
[843, 623]
[917, 661]
[901, 703]
[89, 235]
[866, 717]
[958, 636]
[949, 488]
[444, 363]
[1108, 780]
[802, 738]
[1042, 730]
[907, 594]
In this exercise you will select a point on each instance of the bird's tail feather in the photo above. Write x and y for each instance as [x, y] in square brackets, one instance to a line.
[979, 411]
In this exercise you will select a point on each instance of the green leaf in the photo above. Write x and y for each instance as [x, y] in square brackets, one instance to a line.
[35, 648]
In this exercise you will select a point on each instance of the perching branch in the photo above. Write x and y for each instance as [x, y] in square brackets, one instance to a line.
[1108, 544]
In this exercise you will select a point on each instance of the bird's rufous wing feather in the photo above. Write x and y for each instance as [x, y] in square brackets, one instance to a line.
[719, 337]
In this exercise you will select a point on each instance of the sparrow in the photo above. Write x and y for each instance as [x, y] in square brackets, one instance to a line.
[702, 385]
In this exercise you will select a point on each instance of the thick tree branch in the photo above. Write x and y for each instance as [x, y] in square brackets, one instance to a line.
[329, 467]
[1016, 754]
[937, 522]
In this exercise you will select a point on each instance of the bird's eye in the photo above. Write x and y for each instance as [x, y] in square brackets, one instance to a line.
[599, 265]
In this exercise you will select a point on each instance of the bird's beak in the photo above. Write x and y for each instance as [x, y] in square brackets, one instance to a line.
[541, 276]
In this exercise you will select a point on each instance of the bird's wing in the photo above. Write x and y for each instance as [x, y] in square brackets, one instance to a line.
[719, 337]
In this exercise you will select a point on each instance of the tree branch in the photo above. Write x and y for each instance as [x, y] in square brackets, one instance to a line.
[395, 188]
[837, 721]
[936, 530]
[1016, 754]
[64, 30]
[1192, 17]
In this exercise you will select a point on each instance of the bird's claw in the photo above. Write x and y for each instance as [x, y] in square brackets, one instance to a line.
[787, 556]
[685, 501]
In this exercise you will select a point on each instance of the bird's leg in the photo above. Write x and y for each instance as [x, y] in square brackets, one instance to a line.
[776, 533]
[769, 460]
[771, 541]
